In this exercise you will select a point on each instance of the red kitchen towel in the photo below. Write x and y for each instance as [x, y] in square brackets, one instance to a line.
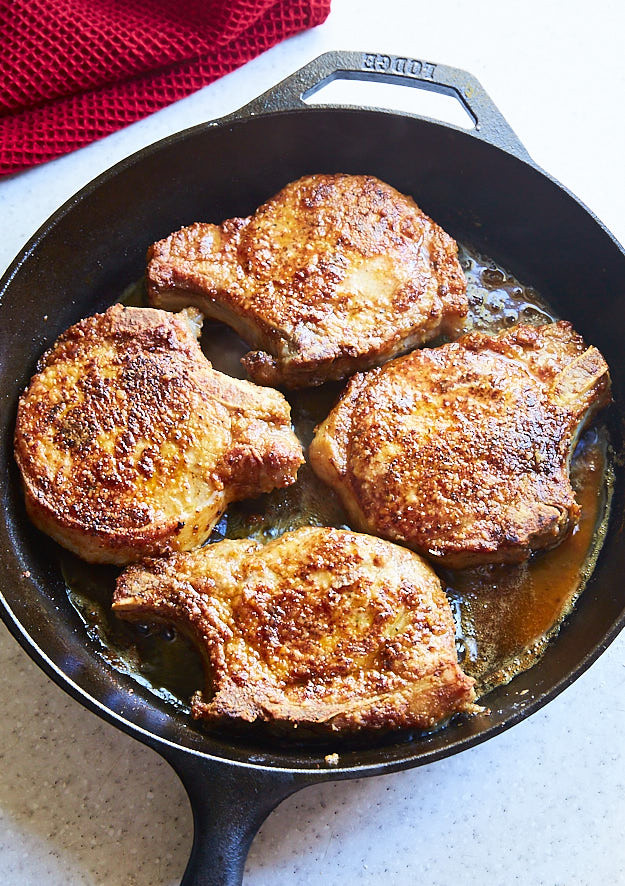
[72, 71]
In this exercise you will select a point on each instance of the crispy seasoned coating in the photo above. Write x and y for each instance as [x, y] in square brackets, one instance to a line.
[130, 444]
[321, 628]
[336, 273]
[462, 452]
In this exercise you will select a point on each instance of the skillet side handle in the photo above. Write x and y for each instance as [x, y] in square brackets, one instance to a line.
[229, 803]
[290, 94]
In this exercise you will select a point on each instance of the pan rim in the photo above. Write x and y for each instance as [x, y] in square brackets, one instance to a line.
[413, 756]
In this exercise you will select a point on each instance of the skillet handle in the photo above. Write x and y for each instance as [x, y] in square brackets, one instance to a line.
[229, 803]
[289, 95]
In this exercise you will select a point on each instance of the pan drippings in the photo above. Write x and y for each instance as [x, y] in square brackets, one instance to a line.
[505, 615]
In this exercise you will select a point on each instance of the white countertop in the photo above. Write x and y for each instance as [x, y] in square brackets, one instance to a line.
[82, 803]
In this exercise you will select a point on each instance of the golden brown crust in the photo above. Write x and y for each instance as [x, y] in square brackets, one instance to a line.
[130, 444]
[320, 628]
[462, 451]
[336, 273]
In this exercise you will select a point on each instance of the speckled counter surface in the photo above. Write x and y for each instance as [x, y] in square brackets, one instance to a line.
[82, 803]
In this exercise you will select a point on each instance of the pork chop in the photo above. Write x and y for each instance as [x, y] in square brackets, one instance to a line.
[321, 628]
[130, 444]
[336, 273]
[462, 452]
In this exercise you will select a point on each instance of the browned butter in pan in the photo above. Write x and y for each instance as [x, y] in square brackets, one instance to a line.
[505, 615]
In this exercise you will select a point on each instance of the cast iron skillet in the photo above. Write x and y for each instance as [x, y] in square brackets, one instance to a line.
[483, 188]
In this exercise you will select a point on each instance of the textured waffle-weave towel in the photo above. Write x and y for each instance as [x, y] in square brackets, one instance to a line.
[72, 71]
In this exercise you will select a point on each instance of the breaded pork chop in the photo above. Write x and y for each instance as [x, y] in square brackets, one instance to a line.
[336, 273]
[462, 452]
[320, 628]
[130, 444]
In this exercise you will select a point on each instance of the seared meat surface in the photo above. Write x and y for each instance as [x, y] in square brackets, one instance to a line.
[462, 452]
[336, 273]
[321, 628]
[130, 444]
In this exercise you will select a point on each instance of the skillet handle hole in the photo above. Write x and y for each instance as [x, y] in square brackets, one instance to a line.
[417, 99]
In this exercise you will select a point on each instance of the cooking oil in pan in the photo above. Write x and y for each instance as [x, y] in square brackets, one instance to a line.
[504, 615]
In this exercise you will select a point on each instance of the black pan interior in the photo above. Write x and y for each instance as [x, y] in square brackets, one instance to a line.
[95, 246]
